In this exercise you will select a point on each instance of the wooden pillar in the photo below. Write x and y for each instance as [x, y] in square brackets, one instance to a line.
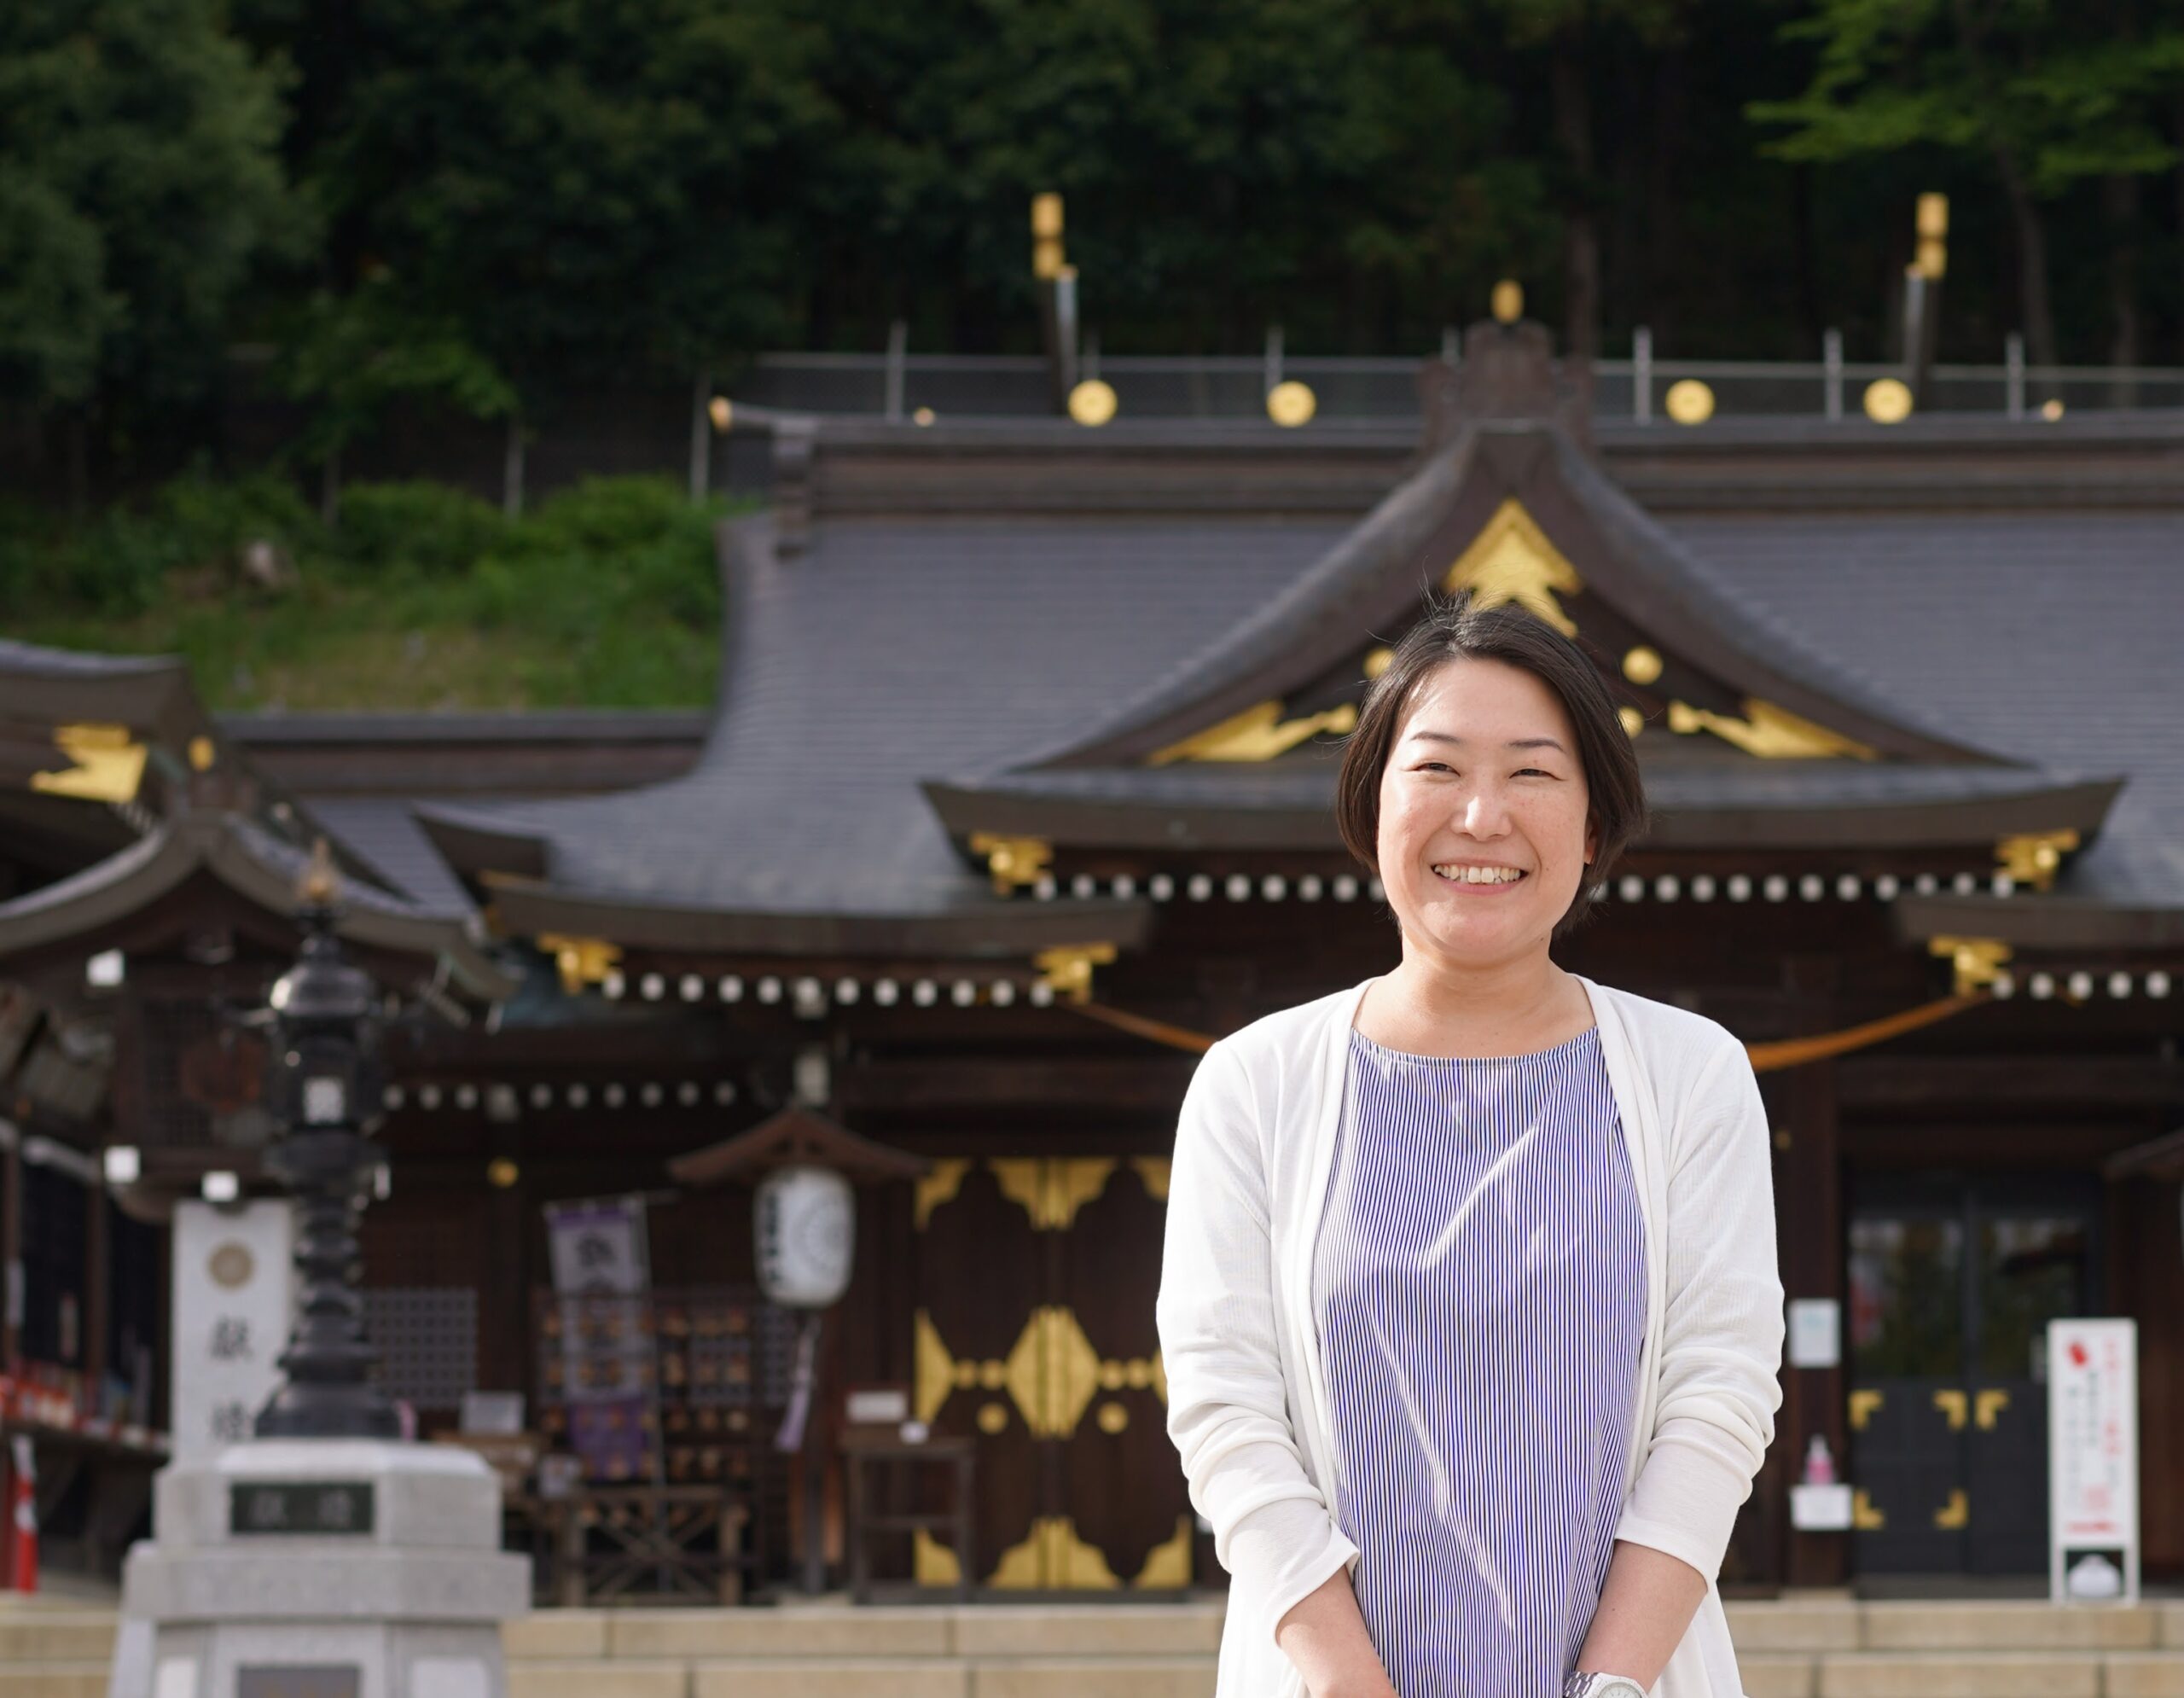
[11, 1256]
[1810, 1228]
[98, 1296]
[11, 1322]
[504, 1340]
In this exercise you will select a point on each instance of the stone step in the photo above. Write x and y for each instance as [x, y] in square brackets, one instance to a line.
[2143, 1674]
[63, 1637]
[2028, 1625]
[53, 1680]
[1960, 1674]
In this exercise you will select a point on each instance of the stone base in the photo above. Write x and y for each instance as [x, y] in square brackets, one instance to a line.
[411, 1608]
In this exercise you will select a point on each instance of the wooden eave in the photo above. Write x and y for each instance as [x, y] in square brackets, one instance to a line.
[982, 929]
[2057, 922]
[1155, 827]
[82, 913]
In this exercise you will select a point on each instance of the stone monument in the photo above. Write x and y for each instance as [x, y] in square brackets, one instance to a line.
[323, 1558]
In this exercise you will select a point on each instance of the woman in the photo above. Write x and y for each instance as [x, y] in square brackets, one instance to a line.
[1469, 1308]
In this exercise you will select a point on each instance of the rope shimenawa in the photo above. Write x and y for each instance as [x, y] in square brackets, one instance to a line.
[1766, 1058]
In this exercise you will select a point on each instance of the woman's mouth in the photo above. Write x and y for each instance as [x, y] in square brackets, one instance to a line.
[1457, 872]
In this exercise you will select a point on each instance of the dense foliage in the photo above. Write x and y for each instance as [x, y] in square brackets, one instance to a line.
[491, 204]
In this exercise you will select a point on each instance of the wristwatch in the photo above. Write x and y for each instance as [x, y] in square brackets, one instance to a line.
[1582, 1685]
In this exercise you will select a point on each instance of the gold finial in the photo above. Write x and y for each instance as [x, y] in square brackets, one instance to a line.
[1933, 263]
[1291, 404]
[580, 961]
[1689, 402]
[1977, 963]
[722, 411]
[321, 884]
[1014, 861]
[2033, 857]
[1092, 403]
[1642, 665]
[1047, 258]
[1508, 301]
[1634, 722]
[1067, 968]
[1888, 400]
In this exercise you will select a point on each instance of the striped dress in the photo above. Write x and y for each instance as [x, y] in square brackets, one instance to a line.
[1479, 1285]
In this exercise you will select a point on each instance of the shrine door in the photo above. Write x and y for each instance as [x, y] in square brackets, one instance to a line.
[1036, 1338]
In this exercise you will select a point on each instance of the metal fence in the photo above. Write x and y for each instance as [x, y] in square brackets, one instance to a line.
[899, 385]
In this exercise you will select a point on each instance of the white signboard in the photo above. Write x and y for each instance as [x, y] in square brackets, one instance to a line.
[1816, 1332]
[2093, 1460]
[233, 1307]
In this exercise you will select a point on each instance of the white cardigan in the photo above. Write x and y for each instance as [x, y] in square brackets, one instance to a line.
[1247, 1403]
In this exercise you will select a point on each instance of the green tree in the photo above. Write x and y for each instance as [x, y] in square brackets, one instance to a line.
[569, 187]
[139, 182]
[2044, 95]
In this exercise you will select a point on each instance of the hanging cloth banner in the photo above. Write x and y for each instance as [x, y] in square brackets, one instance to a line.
[1766, 1058]
[602, 1277]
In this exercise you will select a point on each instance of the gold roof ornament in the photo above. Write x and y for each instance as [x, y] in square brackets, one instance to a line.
[1259, 732]
[1933, 263]
[722, 411]
[202, 754]
[1689, 402]
[1067, 968]
[1014, 863]
[1770, 732]
[1888, 400]
[2033, 857]
[580, 961]
[106, 764]
[1092, 402]
[1048, 262]
[1976, 962]
[321, 883]
[1508, 301]
[1634, 722]
[1642, 665]
[1291, 404]
[1511, 559]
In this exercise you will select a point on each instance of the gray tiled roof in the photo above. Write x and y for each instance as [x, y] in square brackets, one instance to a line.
[32, 661]
[2058, 636]
[891, 651]
[383, 832]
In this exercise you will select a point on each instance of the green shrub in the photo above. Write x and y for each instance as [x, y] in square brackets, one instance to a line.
[425, 527]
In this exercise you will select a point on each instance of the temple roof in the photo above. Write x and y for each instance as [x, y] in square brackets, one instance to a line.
[1034, 673]
[117, 790]
[889, 651]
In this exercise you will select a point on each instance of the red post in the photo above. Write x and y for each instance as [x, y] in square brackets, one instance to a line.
[22, 1540]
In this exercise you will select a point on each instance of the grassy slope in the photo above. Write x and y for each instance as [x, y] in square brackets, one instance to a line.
[606, 597]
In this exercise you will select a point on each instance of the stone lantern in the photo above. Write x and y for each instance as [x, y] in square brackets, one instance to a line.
[324, 1085]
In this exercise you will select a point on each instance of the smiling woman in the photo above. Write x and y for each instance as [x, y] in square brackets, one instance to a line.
[1426, 720]
[1469, 1307]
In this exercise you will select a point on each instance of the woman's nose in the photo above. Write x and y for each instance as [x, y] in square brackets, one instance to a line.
[1484, 813]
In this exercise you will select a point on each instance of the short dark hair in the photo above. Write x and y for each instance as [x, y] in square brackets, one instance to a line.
[1454, 629]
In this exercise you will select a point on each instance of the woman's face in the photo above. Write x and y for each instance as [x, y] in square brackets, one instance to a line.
[1484, 819]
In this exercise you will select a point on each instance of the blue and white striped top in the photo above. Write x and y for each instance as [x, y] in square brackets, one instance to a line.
[1478, 1286]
